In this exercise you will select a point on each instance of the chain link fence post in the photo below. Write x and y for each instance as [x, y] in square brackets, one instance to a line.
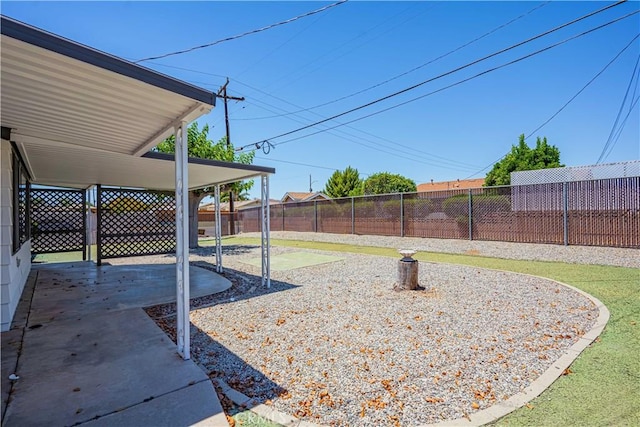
[565, 213]
[470, 216]
[401, 215]
[315, 216]
[353, 215]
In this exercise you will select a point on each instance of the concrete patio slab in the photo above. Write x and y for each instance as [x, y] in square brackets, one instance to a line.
[71, 290]
[188, 407]
[86, 352]
[75, 370]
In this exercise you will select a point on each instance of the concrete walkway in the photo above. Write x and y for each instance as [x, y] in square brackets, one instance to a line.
[87, 354]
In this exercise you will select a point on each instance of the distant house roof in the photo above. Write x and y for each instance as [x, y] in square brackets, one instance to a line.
[458, 184]
[293, 196]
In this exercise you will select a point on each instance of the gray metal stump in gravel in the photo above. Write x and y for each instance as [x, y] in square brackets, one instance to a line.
[407, 271]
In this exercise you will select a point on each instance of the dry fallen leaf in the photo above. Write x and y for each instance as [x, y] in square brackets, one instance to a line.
[474, 405]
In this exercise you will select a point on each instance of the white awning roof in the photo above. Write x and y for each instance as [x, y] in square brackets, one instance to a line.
[81, 117]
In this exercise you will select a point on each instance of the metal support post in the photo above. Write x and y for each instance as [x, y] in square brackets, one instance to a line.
[182, 242]
[565, 213]
[470, 216]
[87, 231]
[28, 211]
[265, 218]
[218, 231]
[353, 216]
[315, 216]
[99, 224]
[85, 209]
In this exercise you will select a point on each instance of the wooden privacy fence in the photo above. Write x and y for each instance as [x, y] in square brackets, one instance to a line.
[595, 213]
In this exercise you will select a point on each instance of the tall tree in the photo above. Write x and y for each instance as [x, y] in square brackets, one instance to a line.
[523, 158]
[200, 146]
[386, 183]
[344, 184]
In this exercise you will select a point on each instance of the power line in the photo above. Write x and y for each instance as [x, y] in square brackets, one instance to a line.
[608, 144]
[452, 164]
[622, 125]
[567, 103]
[296, 163]
[394, 143]
[394, 94]
[306, 164]
[585, 86]
[409, 71]
[266, 147]
[455, 165]
[466, 79]
[386, 23]
[477, 75]
[258, 30]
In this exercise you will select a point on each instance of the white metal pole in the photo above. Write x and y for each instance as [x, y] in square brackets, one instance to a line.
[89, 230]
[218, 231]
[265, 217]
[182, 242]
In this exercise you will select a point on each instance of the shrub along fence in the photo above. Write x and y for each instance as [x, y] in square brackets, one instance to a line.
[597, 213]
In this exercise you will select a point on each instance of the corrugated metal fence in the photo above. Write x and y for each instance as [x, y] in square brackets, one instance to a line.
[595, 213]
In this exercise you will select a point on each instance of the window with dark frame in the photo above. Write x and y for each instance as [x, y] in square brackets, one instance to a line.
[21, 231]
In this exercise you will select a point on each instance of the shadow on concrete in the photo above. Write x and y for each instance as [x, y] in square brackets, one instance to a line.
[243, 286]
[210, 250]
[88, 353]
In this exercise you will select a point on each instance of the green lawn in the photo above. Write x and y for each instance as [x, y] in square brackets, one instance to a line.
[65, 256]
[604, 386]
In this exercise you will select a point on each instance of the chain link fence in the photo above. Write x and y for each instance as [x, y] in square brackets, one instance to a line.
[603, 212]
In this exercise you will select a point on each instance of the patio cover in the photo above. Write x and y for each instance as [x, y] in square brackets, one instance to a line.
[81, 117]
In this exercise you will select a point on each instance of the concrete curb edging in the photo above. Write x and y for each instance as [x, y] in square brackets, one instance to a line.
[261, 409]
[478, 418]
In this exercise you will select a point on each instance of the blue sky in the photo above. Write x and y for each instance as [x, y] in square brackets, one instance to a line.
[453, 134]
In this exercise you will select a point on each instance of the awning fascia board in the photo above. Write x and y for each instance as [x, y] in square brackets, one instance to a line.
[209, 162]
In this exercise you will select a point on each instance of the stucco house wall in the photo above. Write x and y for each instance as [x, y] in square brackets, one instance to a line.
[14, 268]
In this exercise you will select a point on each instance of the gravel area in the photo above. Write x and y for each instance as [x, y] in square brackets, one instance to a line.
[335, 345]
[622, 257]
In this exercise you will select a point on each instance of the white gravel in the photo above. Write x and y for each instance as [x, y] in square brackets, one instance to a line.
[623, 257]
[335, 345]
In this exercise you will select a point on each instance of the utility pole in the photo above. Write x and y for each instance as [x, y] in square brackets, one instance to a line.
[222, 93]
[311, 184]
